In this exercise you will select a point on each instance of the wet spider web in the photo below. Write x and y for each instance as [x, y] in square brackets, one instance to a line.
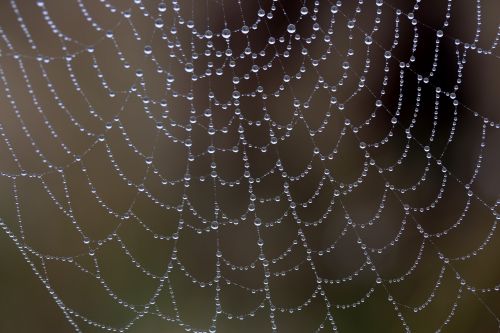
[209, 164]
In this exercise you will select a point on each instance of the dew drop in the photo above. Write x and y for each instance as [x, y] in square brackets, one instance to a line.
[148, 50]
[189, 67]
[159, 23]
[162, 7]
[226, 33]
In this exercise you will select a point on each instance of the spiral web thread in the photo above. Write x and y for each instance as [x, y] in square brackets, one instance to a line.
[201, 58]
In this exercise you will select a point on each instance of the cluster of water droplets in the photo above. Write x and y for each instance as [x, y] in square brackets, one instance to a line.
[203, 62]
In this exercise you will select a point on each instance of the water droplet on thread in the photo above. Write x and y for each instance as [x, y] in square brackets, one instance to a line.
[188, 67]
[226, 33]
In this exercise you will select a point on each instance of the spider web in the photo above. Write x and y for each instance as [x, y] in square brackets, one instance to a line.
[247, 162]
